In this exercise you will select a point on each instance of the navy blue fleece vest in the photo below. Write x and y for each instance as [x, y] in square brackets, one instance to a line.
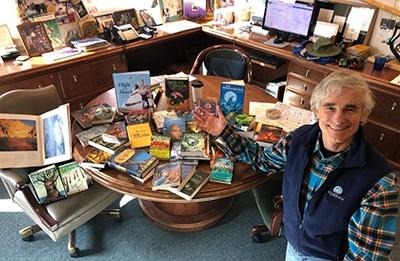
[322, 232]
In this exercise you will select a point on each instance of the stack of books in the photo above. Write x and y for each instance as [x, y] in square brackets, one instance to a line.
[90, 44]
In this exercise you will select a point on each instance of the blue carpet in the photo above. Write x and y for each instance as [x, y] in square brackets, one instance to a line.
[136, 238]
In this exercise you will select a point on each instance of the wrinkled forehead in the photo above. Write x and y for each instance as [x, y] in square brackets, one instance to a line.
[343, 95]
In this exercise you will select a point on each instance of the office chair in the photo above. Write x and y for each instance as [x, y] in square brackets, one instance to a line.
[61, 217]
[269, 202]
[224, 60]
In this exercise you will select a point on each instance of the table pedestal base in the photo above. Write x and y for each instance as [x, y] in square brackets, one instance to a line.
[186, 217]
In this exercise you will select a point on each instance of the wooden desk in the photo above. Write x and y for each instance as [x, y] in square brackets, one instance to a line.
[168, 210]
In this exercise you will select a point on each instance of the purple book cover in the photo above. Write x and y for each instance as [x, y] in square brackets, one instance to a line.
[194, 8]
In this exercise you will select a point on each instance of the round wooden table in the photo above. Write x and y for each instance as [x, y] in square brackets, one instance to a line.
[166, 209]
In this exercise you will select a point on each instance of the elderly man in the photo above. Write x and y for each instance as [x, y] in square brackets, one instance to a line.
[339, 193]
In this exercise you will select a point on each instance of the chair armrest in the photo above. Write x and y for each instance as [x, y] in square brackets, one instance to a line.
[14, 177]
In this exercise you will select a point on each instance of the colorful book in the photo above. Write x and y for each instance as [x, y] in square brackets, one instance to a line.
[209, 105]
[177, 93]
[193, 186]
[95, 158]
[139, 134]
[187, 171]
[232, 97]
[74, 178]
[194, 8]
[133, 91]
[137, 116]
[192, 144]
[174, 127]
[96, 114]
[47, 184]
[167, 175]
[89, 134]
[35, 140]
[113, 138]
[160, 146]
[268, 133]
[136, 163]
[222, 171]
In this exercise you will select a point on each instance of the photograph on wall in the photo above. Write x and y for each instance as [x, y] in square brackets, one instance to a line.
[128, 16]
[65, 13]
[34, 38]
[80, 9]
[29, 9]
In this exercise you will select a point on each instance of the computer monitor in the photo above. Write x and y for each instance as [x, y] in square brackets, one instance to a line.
[285, 18]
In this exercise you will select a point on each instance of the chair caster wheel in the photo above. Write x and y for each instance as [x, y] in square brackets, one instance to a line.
[261, 238]
[260, 234]
[27, 238]
[74, 252]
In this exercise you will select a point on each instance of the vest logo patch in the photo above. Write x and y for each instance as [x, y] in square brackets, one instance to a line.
[336, 192]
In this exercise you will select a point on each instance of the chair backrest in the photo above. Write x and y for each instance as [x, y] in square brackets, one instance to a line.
[30, 101]
[224, 60]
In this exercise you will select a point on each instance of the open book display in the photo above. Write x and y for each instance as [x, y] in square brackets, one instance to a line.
[35, 140]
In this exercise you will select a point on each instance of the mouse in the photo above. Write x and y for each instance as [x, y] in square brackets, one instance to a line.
[277, 41]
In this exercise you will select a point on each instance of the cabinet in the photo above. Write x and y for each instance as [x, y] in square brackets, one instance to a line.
[82, 82]
[31, 82]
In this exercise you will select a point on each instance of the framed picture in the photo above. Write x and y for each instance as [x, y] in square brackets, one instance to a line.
[172, 9]
[54, 33]
[104, 21]
[80, 9]
[128, 16]
[35, 38]
[5, 37]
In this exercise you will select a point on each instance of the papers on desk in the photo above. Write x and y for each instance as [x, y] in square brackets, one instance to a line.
[291, 117]
[178, 26]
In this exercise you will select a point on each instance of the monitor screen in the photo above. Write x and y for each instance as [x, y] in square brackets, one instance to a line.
[286, 17]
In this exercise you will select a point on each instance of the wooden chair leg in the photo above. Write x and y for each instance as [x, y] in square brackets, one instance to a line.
[72, 249]
[27, 232]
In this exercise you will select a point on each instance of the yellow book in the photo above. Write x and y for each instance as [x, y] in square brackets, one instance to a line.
[139, 135]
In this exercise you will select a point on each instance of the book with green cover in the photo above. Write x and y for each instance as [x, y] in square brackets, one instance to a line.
[193, 186]
[74, 178]
[160, 146]
[222, 171]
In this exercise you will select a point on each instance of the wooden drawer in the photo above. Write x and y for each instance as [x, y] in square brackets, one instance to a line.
[30, 83]
[299, 85]
[90, 77]
[387, 108]
[296, 99]
[382, 139]
[306, 72]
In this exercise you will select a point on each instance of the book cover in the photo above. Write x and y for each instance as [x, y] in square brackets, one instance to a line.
[268, 133]
[95, 158]
[137, 116]
[174, 127]
[160, 146]
[177, 92]
[47, 184]
[133, 162]
[96, 114]
[194, 8]
[133, 91]
[35, 140]
[74, 178]
[192, 144]
[209, 105]
[193, 186]
[166, 175]
[139, 134]
[222, 171]
[93, 132]
[232, 97]
[187, 171]
[113, 138]
[159, 116]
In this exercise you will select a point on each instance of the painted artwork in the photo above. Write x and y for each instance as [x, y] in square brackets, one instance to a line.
[53, 136]
[54, 33]
[18, 135]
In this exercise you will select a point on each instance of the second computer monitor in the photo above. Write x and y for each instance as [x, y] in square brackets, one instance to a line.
[287, 18]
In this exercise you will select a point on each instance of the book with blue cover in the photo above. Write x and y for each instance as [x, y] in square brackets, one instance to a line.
[133, 91]
[222, 171]
[232, 97]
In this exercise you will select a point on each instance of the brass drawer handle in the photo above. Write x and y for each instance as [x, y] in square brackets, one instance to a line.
[81, 105]
[308, 72]
[382, 136]
[75, 78]
[40, 86]
[301, 101]
[394, 106]
[114, 67]
[305, 87]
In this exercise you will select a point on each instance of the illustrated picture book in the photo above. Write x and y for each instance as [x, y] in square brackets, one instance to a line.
[160, 146]
[133, 91]
[74, 178]
[113, 138]
[167, 175]
[86, 135]
[177, 93]
[193, 186]
[267, 133]
[47, 185]
[222, 171]
[139, 134]
[95, 158]
[96, 114]
[133, 162]
[174, 127]
[159, 116]
[35, 140]
[232, 96]
[193, 144]
[209, 105]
